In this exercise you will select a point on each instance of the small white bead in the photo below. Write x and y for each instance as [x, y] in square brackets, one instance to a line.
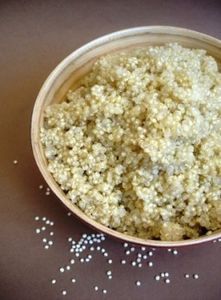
[44, 240]
[53, 281]
[175, 252]
[104, 291]
[36, 218]
[110, 277]
[15, 162]
[70, 239]
[38, 230]
[123, 261]
[51, 233]
[166, 274]
[73, 280]
[47, 222]
[105, 254]
[167, 280]
[44, 218]
[82, 260]
[72, 261]
[61, 270]
[132, 249]
[144, 256]
[157, 277]
[150, 253]
[108, 272]
[127, 252]
[68, 268]
[110, 261]
[43, 228]
[139, 255]
[150, 264]
[46, 247]
[143, 248]
[140, 265]
[41, 187]
[51, 223]
[96, 288]
[77, 254]
[138, 283]
[69, 214]
[50, 243]
[195, 276]
[64, 292]
[133, 263]
[187, 276]
[125, 245]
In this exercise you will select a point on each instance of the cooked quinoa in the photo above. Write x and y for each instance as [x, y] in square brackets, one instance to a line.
[137, 146]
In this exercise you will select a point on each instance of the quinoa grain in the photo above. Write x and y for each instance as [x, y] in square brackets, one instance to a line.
[137, 146]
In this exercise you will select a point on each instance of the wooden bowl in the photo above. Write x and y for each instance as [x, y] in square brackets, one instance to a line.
[76, 65]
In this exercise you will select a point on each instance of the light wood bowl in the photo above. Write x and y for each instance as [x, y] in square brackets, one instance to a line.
[76, 65]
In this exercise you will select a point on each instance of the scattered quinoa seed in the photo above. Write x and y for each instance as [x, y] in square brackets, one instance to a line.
[138, 283]
[150, 264]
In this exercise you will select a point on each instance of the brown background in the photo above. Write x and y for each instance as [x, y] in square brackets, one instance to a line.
[34, 37]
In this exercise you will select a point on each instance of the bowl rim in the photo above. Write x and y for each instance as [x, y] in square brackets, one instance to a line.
[34, 132]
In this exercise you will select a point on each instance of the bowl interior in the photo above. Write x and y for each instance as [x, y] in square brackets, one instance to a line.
[67, 74]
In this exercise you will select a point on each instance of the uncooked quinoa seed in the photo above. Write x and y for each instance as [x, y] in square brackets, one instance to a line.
[137, 146]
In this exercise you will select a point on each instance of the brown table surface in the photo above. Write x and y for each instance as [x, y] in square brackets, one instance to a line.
[34, 37]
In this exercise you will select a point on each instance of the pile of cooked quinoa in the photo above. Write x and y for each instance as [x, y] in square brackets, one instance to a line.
[137, 146]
